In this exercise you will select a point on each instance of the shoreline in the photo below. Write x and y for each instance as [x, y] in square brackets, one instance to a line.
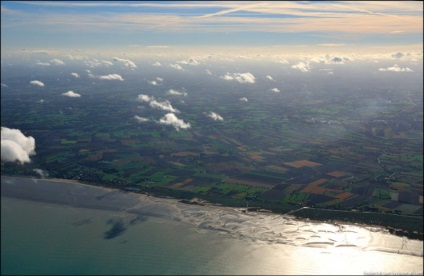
[303, 214]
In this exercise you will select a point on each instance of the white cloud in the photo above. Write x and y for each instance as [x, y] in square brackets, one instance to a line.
[96, 63]
[244, 99]
[176, 92]
[93, 63]
[395, 68]
[190, 61]
[208, 72]
[145, 98]
[171, 119]
[128, 63]
[275, 90]
[15, 146]
[156, 81]
[57, 62]
[282, 61]
[141, 119]
[244, 77]
[215, 116]
[240, 77]
[176, 66]
[166, 105]
[269, 78]
[111, 77]
[71, 94]
[107, 63]
[4, 85]
[157, 63]
[227, 77]
[36, 82]
[41, 173]
[327, 59]
[302, 66]
[331, 73]
[43, 63]
[75, 75]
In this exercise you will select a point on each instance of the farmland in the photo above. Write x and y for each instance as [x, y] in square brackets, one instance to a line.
[308, 149]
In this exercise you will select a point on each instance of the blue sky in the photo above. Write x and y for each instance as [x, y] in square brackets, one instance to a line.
[118, 24]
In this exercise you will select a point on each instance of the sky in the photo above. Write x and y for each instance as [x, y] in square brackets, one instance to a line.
[220, 25]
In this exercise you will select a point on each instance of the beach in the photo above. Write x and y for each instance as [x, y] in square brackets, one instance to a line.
[108, 216]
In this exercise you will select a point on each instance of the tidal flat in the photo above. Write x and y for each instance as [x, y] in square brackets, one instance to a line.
[123, 232]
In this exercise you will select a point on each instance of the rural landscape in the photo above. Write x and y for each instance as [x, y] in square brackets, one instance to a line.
[317, 143]
[212, 137]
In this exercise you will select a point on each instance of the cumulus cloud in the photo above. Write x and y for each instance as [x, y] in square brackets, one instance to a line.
[215, 116]
[208, 72]
[43, 63]
[398, 55]
[111, 77]
[128, 63]
[71, 94]
[171, 119]
[145, 98]
[141, 119]
[75, 75]
[244, 99]
[244, 77]
[176, 66]
[275, 90]
[227, 77]
[15, 146]
[395, 68]
[240, 77]
[328, 59]
[337, 60]
[107, 63]
[190, 61]
[157, 63]
[4, 85]
[95, 63]
[302, 66]
[57, 62]
[269, 78]
[177, 93]
[282, 61]
[166, 105]
[37, 83]
[156, 81]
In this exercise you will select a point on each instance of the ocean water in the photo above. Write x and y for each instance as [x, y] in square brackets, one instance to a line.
[158, 236]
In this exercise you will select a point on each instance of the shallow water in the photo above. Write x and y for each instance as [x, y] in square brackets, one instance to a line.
[160, 236]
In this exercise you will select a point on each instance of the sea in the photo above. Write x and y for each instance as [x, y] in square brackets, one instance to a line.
[55, 227]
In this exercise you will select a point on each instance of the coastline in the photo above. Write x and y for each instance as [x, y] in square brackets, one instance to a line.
[132, 199]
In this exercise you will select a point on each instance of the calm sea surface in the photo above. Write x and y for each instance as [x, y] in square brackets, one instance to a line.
[159, 236]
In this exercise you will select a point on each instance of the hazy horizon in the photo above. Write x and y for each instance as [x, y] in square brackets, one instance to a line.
[204, 28]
